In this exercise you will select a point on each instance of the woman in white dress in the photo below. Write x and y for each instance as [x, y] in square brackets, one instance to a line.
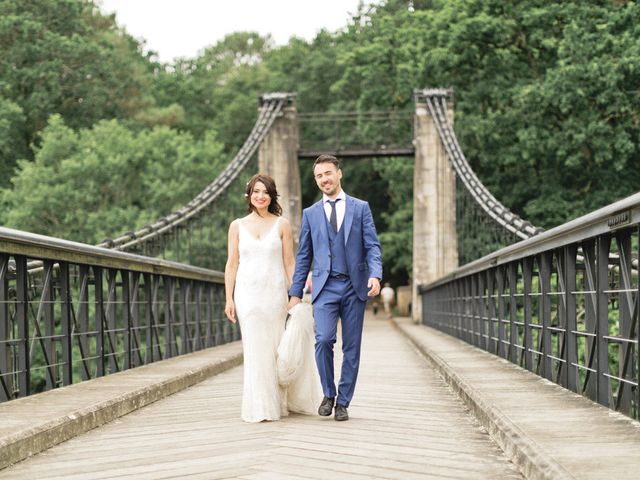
[259, 269]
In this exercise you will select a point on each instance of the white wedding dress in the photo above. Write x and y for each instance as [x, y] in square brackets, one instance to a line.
[260, 296]
[297, 370]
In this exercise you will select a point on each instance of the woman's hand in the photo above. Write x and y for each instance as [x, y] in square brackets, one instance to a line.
[293, 301]
[230, 311]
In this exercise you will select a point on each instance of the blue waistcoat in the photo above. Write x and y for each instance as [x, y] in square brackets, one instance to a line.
[337, 250]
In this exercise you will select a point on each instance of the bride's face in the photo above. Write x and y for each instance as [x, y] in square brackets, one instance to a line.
[260, 198]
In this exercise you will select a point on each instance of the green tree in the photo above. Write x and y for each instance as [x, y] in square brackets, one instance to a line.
[11, 145]
[218, 89]
[63, 56]
[584, 116]
[546, 105]
[99, 182]
[308, 68]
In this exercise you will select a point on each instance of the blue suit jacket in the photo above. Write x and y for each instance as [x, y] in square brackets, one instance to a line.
[364, 258]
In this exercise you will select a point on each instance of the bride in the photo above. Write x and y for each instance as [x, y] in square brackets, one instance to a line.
[259, 268]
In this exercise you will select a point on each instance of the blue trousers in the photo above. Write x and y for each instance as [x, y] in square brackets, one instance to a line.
[338, 299]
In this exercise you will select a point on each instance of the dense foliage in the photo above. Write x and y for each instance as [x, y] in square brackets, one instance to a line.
[64, 57]
[547, 108]
[88, 184]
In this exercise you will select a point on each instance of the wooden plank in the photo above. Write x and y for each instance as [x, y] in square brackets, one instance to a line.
[405, 423]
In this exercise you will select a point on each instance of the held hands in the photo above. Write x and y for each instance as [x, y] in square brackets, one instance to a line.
[374, 287]
[230, 311]
[293, 301]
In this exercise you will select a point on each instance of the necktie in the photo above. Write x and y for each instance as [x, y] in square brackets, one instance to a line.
[333, 218]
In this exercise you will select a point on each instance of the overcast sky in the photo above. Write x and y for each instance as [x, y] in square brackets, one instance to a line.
[182, 28]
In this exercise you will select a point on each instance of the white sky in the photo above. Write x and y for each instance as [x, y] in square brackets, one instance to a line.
[182, 28]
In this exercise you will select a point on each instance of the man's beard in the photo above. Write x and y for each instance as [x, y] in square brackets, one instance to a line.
[330, 189]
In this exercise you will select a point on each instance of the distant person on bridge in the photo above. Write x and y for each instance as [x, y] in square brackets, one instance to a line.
[387, 295]
[338, 235]
[259, 268]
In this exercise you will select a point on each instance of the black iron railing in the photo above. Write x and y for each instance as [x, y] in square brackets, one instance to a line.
[563, 304]
[84, 312]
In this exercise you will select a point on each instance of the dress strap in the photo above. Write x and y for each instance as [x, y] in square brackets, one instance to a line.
[276, 225]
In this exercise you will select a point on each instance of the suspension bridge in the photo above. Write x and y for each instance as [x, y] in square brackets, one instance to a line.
[520, 358]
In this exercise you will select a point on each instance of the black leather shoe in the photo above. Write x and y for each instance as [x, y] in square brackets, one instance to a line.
[326, 406]
[341, 413]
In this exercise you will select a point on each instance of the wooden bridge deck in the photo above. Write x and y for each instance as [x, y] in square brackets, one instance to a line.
[405, 423]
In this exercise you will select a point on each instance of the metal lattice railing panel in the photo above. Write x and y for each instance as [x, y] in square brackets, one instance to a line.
[564, 305]
[88, 312]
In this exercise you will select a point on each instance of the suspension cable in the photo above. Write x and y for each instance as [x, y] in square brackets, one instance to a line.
[436, 101]
[271, 106]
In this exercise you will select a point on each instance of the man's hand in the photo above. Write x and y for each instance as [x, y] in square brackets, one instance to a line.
[374, 287]
[293, 301]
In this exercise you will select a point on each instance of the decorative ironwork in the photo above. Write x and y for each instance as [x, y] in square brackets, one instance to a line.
[563, 305]
[88, 312]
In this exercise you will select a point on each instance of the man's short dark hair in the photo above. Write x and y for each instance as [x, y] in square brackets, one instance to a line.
[326, 159]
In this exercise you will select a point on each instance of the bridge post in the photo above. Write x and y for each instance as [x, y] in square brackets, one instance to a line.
[435, 245]
[278, 157]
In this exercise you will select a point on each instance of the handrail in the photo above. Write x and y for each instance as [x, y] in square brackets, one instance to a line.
[92, 311]
[33, 245]
[558, 304]
[609, 218]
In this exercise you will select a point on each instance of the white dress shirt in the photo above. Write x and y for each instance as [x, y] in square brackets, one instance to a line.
[340, 207]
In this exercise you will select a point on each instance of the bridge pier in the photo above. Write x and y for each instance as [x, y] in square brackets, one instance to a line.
[435, 244]
[278, 157]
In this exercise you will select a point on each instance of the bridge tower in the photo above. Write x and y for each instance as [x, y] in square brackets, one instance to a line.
[435, 249]
[278, 157]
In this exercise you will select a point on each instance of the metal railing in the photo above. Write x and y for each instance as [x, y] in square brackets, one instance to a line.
[89, 312]
[563, 304]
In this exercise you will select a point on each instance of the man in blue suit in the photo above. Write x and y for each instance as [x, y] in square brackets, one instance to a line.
[338, 235]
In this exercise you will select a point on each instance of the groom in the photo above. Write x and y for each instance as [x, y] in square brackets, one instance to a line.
[339, 236]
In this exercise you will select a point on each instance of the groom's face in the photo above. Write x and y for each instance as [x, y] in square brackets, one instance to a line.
[327, 178]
